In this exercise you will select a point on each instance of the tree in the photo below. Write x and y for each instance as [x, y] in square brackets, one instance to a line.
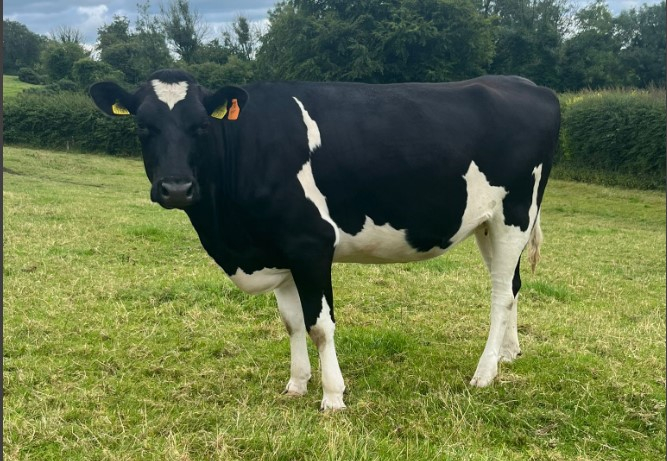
[184, 28]
[642, 38]
[86, 71]
[375, 41]
[59, 58]
[591, 56]
[528, 36]
[136, 53]
[20, 47]
[212, 52]
[67, 34]
[242, 39]
[152, 41]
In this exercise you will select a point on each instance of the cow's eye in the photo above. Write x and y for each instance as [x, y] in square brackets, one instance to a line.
[146, 130]
[201, 129]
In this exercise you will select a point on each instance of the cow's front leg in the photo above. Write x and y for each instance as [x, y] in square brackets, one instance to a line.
[289, 306]
[313, 282]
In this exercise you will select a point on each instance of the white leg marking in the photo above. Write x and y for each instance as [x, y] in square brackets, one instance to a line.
[333, 385]
[170, 93]
[509, 349]
[289, 306]
[506, 244]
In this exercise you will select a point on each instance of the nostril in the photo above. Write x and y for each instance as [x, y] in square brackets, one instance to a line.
[164, 191]
[190, 191]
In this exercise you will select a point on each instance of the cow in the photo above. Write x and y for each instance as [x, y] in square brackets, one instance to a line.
[280, 180]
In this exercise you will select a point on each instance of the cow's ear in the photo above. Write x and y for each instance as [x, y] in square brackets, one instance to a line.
[112, 99]
[226, 103]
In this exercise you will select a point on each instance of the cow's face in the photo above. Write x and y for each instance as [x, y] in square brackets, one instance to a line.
[175, 118]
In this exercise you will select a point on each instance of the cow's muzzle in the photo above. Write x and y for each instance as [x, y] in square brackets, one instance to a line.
[175, 192]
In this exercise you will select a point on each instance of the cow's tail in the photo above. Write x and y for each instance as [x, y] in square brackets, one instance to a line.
[534, 243]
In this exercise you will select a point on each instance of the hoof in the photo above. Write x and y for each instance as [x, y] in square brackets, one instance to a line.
[508, 356]
[484, 375]
[332, 403]
[294, 390]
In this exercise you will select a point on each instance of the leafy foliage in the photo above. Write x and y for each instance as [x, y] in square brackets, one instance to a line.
[616, 137]
[68, 121]
[135, 53]
[59, 58]
[21, 47]
[183, 27]
[29, 75]
[86, 72]
[376, 41]
[528, 36]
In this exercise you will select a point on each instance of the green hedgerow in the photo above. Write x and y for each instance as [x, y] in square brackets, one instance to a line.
[616, 135]
[68, 121]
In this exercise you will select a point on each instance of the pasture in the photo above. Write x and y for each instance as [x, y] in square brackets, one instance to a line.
[123, 340]
[11, 86]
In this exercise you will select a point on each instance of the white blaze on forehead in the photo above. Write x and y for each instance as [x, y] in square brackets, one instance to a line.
[170, 93]
[314, 140]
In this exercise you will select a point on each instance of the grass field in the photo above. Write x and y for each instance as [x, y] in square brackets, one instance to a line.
[123, 341]
[11, 86]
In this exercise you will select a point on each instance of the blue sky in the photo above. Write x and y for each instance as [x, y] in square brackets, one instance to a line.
[45, 16]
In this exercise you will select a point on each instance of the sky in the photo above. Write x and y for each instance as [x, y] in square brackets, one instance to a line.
[45, 16]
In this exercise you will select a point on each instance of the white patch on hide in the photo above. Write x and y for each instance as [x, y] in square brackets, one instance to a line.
[313, 131]
[305, 175]
[483, 203]
[307, 180]
[170, 93]
[259, 281]
[532, 212]
[379, 244]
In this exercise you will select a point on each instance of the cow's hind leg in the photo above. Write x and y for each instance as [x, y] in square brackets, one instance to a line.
[291, 312]
[509, 350]
[501, 246]
[510, 347]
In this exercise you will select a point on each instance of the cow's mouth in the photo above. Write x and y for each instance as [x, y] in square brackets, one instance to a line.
[175, 193]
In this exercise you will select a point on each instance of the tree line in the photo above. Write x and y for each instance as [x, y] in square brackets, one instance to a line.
[376, 41]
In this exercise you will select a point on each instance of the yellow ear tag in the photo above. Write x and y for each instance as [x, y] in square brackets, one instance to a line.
[234, 110]
[118, 109]
[220, 112]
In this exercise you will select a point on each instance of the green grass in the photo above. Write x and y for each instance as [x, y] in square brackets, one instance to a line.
[123, 341]
[11, 86]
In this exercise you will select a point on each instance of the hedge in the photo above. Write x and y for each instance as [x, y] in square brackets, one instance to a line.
[66, 121]
[614, 138]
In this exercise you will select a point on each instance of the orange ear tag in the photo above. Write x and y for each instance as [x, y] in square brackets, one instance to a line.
[234, 110]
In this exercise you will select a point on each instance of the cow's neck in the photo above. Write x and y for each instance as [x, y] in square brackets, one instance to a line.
[224, 234]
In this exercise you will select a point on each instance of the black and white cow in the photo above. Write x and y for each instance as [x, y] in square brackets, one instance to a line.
[280, 180]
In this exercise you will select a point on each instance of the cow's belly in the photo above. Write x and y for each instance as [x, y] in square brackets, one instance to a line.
[379, 244]
[260, 281]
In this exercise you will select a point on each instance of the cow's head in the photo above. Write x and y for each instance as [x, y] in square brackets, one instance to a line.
[177, 124]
